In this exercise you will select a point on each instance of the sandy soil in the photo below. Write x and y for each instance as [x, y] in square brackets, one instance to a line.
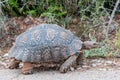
[6, 74]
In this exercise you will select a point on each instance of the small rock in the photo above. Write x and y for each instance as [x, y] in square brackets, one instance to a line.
[6, 55]
[106, 69]
[72, 69]
[20, 65]
[103, 69]
[94, 65]
[109, 62]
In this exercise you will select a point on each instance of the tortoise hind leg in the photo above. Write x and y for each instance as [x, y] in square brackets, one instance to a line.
[27, 68]
[13, 63]
[69, 62]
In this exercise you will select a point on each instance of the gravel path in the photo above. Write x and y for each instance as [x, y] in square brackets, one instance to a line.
[6, 74]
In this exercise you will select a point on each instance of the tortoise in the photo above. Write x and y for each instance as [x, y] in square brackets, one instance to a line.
[47, 43]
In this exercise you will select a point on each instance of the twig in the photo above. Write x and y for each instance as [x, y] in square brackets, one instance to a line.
[0, 9]
[3, 1]
[111, 18]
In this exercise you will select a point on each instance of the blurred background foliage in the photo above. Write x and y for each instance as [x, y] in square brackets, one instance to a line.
[61, 11]
[92, 13]
[85, 9]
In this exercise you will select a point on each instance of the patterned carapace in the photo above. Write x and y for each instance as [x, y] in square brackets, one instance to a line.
[44, 43]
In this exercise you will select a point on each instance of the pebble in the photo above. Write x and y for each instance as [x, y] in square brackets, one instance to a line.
[72, 69]
[94, 65]
[6, 55]
[109, 62]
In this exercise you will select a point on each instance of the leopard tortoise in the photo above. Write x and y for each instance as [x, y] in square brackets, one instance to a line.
[47, 43]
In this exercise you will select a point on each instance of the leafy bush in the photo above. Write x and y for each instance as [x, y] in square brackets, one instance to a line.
[54, 13]
[84, 8]
[62, 11]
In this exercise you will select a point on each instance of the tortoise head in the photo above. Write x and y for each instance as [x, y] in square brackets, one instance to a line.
[90, 45]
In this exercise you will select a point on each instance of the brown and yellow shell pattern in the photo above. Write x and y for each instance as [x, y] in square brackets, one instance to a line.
[44, 43]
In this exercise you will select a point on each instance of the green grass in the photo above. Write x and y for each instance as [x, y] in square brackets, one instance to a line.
[100, 52]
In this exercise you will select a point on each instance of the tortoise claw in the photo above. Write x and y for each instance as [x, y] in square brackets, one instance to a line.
[63, 68]
[27, 68]
[13, 64]
[27, 71]
[68, 63]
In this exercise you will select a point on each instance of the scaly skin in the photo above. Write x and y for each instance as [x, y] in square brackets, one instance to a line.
[27, 68]
[13, 63]
[68, 63]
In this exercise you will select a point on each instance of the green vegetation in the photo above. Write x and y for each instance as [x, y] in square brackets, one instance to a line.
[104, 51]
[58, 10]
[92, 12]
[101, 52]
[117, 43]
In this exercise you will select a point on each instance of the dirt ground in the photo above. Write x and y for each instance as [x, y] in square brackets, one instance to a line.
[93, 69]
[92, 74]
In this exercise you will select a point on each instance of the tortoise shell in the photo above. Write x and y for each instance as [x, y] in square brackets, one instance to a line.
[44, 43]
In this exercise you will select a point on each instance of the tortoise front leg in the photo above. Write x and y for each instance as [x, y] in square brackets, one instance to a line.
[27, 68]
[13, 63]
[80, 59]
[66, 65]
